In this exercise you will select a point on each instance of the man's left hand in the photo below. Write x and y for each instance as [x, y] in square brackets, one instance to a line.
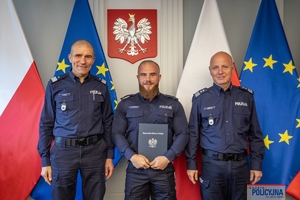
[109, 168]
[255, 176]
[160, 162]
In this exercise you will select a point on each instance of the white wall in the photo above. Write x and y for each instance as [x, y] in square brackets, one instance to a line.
[45, 22]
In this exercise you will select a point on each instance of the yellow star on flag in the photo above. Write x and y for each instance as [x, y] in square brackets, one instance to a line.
[112, 85]
[285, 137]
[249, 65]
[298, 125]
[268, 142]
[102, 70]
[62, 66]
[269, 62]
[299, 82]
[289, 67]
[116, 102]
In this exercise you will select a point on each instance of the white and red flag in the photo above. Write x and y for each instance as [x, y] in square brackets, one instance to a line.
[21, 101]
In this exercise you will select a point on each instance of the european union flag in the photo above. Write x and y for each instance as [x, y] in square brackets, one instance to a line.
[270, 71]
[81, 27]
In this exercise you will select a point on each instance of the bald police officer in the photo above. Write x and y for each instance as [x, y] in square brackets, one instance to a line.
[78, 115]
[223, 122]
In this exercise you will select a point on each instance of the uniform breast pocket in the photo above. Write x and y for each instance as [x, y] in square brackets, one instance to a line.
[134, 117]
[241, 116]
[95, 101]
[164, 115]
[64, 104]
[210, 118]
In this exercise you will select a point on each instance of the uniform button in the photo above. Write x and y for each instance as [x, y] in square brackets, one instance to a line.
[226, 121]
[227, 133]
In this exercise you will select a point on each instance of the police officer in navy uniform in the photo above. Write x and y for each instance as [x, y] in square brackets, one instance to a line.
[145, 177]
[77, 115]
[224, 123]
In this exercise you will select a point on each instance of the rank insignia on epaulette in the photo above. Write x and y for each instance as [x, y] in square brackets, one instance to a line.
[200, 92]
[54, 79]
[102, 80]
[247, 89]
[57, 78]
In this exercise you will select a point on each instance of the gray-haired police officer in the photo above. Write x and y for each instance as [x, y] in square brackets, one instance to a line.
[223, 121]
[78, 114]
[145, 177]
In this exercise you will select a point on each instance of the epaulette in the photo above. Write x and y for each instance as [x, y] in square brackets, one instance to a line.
[102, 80]
[125, 97]
[170, 96]
[57, 78]
[202, 91]
[98, 79]
[246, 89]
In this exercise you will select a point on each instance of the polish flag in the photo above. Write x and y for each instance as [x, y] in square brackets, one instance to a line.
[21, 100]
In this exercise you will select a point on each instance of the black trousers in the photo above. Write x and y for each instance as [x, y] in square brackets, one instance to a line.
[140, 184]
[224, 180]
[89, 160]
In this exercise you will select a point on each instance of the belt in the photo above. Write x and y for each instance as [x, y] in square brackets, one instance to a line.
[75, 142]
[224, 156]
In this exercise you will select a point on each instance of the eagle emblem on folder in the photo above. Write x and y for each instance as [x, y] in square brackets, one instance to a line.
[152, 143]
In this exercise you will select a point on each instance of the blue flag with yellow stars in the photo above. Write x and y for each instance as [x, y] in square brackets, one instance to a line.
[81, 26]
[270, 72]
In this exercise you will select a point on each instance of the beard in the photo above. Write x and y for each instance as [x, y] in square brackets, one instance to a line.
[149, 94]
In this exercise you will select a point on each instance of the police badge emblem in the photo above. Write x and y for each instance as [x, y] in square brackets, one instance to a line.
[210, 121]
[63, 106]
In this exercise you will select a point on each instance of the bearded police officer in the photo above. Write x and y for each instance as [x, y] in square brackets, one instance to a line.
[223, 121]
[146, 177]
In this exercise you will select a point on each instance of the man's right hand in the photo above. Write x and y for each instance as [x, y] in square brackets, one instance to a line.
[140, 162]
[47, 174]
[193, 175]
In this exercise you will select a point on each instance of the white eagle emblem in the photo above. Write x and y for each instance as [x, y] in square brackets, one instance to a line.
[133, 35]
[152, 143]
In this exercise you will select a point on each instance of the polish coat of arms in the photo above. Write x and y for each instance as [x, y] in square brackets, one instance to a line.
[132, 34]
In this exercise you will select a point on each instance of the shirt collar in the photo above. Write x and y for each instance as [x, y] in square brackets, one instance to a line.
[218, 89]
[74, 78]
[147, 100]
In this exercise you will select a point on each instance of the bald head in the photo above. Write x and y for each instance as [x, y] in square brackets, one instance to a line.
[82, 43]
[148, 62]
[221, 54]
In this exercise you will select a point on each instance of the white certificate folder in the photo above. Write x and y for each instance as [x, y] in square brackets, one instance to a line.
[152, 140]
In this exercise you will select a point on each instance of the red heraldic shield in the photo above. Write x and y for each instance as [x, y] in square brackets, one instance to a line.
[132, 34]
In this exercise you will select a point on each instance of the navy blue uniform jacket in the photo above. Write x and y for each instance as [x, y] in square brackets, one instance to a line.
[75, 110]
[163, 109]
[225, 122]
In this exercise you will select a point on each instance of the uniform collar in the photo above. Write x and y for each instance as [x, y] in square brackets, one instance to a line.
[218, 89]
[74, 78]
[147, 100]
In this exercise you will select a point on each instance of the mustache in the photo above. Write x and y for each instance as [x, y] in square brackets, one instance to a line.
[147, 82]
